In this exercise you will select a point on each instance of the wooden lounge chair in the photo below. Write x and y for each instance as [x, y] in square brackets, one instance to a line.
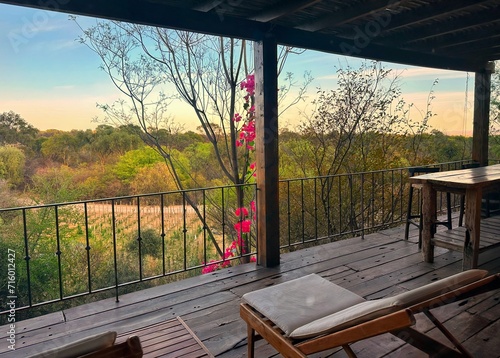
[311, 314]
[101, 345]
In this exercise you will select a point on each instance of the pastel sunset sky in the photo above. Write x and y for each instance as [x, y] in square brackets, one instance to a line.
[54, 82]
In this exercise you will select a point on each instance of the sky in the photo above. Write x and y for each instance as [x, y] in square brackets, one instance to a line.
[54, 82]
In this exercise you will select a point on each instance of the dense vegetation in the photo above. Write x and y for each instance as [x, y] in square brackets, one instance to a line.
[57, 166]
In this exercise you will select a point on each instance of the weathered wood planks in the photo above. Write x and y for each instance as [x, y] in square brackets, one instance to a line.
[381, 264]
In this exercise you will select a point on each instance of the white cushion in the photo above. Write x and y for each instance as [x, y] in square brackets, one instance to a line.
[439, 287]
[297, 302]
[78, 348]
[348, 317]
[369, 310]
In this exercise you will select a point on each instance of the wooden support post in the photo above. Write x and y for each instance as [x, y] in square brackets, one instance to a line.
[481, 123]
[266, 130]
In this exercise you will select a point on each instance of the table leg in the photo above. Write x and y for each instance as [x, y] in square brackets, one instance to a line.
[428, 220]
[473, 198]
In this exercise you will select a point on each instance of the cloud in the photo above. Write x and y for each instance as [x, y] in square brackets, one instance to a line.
[55, 45]
[415, 73]
[429, 73]
[64, 87]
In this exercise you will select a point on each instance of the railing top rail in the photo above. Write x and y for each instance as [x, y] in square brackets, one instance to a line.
[376, 171]
[127, 197]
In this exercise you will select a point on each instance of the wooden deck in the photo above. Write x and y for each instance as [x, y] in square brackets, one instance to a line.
[454, 239]
[171, 338]
[381, 264]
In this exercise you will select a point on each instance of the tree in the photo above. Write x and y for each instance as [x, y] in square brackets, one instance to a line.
[55, 185]
[107, 140]
[12, 165]
[495, 111]
[360, 119]
[153, 178]
[15, 130]
[205, 71]
[8, 199]
[129, 164]
[62, 147]
[495, 95]
[357, 127]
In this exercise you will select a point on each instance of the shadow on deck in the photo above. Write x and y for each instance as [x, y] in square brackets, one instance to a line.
[381, 264]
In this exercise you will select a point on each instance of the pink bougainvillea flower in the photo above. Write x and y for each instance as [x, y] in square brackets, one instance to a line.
[248, 84]
[246, 139]
[228, 254]
[243, 226]
[237, 117]
[241, 211]
[253, 259]
[210, 268]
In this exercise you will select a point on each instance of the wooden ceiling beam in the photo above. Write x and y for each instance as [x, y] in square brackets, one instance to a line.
[426, 13]
[372, 50]
[450, 27]
[470, 44]
[219, 23]
[158, 14]
[472, 48]
[208, 5]
[347, 15]
[282, 8]
[491, 53]
[436, 44]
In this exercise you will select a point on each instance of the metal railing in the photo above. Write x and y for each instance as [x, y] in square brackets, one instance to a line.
[70, 250]
[328, 208]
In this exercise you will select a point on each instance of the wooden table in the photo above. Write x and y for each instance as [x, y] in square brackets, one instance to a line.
[471, 182]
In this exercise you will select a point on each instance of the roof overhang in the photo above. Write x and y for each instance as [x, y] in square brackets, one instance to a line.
[458, 35]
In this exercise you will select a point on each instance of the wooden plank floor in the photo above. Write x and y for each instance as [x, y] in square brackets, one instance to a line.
[381, 264]
[168, 339]
[454, 239]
